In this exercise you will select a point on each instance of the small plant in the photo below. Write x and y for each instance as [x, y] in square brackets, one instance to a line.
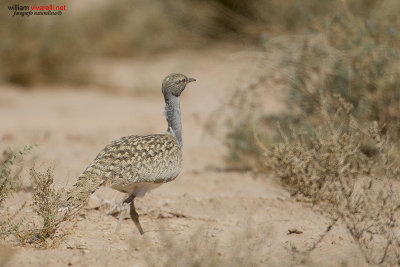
[46, 204]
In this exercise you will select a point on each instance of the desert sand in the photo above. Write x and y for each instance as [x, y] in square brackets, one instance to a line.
[208, 212]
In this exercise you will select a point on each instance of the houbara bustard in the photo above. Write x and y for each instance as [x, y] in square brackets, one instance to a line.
[138, 163]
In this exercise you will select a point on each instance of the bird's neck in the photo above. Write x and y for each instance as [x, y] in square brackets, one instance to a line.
[173, 114]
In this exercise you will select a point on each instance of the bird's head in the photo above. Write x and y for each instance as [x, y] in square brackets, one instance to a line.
[175, 83]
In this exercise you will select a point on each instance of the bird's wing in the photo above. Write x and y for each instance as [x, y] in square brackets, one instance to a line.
[152, 158]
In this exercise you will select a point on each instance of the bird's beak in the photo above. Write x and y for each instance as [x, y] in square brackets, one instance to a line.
[191, 80]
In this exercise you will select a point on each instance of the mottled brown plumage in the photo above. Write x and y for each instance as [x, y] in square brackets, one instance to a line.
[136, 164]
[130, 161]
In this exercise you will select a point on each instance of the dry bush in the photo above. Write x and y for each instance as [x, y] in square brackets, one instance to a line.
[348, 170]
[50, 230]
[46, 229]
[356, 59]
[339, 144]
[330, 169]
[11, 222]
[353, 52]
[43, 230]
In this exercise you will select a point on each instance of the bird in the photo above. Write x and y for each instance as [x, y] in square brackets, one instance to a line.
[136, 164]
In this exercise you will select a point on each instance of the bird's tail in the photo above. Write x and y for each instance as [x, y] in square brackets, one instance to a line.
[88, 182]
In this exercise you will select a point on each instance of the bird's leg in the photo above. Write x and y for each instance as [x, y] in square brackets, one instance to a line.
[135, 216]
[125, 206]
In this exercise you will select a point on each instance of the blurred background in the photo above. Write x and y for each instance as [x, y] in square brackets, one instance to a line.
[307, 91]
[60, 49]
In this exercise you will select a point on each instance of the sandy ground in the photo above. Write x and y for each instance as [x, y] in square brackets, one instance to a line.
[206, 212]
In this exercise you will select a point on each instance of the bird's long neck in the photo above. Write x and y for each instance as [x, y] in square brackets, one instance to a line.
[173, 114]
